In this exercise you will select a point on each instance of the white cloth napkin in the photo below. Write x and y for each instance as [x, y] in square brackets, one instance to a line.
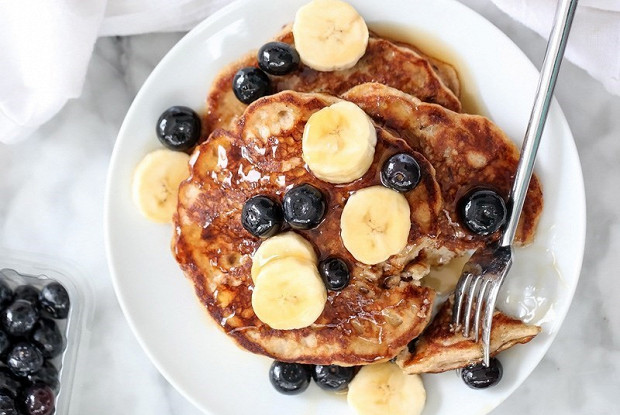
[594, 41]
[45, 46]
[130, 17]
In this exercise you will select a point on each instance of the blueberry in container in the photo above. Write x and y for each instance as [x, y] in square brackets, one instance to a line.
[45, 307]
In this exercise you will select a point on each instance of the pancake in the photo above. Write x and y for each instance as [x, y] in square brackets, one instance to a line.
[446, 72]
[440, 349]
[385, 62]
[467, 151]
[382, 308]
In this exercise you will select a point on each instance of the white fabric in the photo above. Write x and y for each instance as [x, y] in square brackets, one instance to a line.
[129, 17]
[45, 46]
[594, 41]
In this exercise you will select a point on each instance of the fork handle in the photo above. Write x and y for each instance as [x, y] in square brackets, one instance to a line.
[546, 84]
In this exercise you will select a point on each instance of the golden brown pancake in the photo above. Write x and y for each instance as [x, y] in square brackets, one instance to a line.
[467, 151]
[446, 72]
[382, 308]
[440, 348]
[400, 67]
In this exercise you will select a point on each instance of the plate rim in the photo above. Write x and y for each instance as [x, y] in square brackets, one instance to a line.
[212, 20]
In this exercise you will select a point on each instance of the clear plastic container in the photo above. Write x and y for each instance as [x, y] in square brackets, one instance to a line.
[17, 268]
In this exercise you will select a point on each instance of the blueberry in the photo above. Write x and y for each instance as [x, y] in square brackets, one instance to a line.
[39, 400]
[4, 342]
[178, 128]
[48, 375]
[304, 207]
[335, 273]
[483, 211]
[8, 384]
[262, 216]
[28, 293]
[401, 172]
[24, 359]
[289, 378]
[7, 405]
[55, 300]
[278, 58]
[6, 294]
[333, 378]
[479, 376]
[250, 84]
[48, 338]
[19, 318]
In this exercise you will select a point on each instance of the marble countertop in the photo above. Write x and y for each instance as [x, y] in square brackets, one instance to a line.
[51, 202]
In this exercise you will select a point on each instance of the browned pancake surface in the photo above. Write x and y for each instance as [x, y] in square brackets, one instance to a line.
[446, 72]
[467, 151]
[374, 317]
[385, 62]
[440, 348]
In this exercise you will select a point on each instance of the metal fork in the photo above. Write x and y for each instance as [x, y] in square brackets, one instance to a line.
[483, 275]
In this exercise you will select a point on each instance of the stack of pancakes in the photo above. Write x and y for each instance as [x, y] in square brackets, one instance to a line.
[256, 149]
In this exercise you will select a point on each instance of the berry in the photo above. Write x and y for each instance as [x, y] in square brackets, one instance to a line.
[278, 58]
[178, 128]
[479, 376]
[6, 294]
[250, 84]
[19, 318]
[48, 338]
[8, 384]
[7, 405]
[28, 293]
[24, 359]
[289, 378]
[48, 375]
[483, 211]
[4, 342]
[401, 172]
[55, 300]
[39, 400]
[335, 273]
[262, 216]
[304, 207]
[333, 378]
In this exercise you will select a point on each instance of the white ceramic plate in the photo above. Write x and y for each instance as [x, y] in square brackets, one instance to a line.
[175, 331]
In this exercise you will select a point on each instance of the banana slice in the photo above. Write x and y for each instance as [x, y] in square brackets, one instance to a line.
[339, 142]
[288, 294]
[375, 224]
[156, 183]
[329, 35]
[383, 388]
[288, 244]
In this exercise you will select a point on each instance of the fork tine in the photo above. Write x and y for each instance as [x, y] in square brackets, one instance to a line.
[488, 320]
[481, 296]
[471, 297]
[458, 298]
